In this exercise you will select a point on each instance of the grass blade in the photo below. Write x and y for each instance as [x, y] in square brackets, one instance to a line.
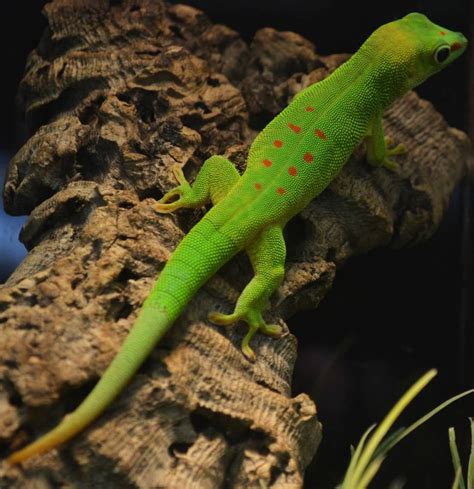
[455, 457]
[470, 467]
[403, 433]
[386, 424]
[356, 454]
[457, 478]
[370, 472]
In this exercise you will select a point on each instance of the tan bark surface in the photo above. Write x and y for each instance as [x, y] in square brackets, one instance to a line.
[114, 95]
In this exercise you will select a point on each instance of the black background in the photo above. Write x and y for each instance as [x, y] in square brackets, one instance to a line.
[391, 315]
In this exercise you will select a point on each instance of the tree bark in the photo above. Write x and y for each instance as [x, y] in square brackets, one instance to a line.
[114, 95]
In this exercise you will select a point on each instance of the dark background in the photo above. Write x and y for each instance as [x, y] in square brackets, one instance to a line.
[391, 315]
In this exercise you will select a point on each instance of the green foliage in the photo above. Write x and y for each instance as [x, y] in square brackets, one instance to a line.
[374, 445]
[458, 477]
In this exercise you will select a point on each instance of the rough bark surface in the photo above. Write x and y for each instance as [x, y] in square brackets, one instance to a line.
[114, 95]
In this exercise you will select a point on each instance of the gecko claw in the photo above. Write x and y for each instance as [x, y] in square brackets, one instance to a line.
[273, 330]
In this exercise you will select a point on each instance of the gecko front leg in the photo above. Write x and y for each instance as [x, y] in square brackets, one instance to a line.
[214, 180]
[378, 151]
[267, 255]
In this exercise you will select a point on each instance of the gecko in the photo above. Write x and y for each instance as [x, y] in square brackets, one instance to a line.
[290, 162]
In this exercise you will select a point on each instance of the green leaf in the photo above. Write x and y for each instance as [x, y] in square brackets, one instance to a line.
[470, 467]
[455, 457]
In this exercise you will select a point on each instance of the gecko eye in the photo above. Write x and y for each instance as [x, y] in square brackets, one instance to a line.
[442, 54]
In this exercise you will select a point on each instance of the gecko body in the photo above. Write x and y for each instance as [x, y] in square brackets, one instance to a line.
[290, 162]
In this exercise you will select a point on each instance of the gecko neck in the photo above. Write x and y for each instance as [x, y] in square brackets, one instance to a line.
[373, 71]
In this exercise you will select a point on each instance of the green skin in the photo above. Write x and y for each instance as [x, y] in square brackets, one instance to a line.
[291, 161]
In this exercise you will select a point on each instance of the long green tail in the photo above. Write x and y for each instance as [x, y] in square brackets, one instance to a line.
[201, 253]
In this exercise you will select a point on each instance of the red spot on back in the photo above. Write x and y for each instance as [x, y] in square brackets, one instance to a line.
[455, 46]
[267, 163]
[278, 143]
[292, 171]
[442, 33]
[258, 186]
[294, 127]
[320, 134]
[308, 157]
[309, 109]
[281, 190]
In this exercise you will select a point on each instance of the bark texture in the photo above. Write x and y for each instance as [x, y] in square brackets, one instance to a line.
[114, 95]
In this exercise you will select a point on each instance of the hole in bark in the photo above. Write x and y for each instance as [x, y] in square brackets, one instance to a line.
[94, 161]
[176, 30]
[125, 275]
[75, 282]
[152, 192]
[201, 105]
[118, 309]
[213, 82]
[178, 447]
[207, 422]
[194, 121]
[14, 397]
[276, 470]
[89, 113]
[126, 205]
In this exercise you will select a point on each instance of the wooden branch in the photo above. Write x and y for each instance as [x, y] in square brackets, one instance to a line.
[114, 96]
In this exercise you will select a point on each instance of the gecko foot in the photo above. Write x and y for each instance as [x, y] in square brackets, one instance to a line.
[169, 202]
[255, 323]
[399, 149]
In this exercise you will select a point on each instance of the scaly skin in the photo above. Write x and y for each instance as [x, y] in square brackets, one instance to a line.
[290, 162]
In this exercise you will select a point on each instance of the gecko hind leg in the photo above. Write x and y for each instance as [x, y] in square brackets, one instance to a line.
[267, 255]
[214, 180]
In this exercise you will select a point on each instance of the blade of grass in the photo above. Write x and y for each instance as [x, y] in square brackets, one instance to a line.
[391, 442]
[457, 478]
[370, 472]
[455, 457]
[470, 467]
[356, 454]
[385, 425]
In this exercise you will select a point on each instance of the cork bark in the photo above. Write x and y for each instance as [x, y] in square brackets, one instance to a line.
[114, 95]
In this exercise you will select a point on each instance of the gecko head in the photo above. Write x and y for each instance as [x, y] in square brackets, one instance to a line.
[419, 48]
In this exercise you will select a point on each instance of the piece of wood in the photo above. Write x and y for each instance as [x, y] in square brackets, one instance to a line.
[114, 96]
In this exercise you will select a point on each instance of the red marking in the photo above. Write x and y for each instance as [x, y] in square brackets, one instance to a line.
[294, 128]
[258, 186]
[310, 109]
[455, 46]
[442, 33]
[281, 190]
[320, 134]
[292, 171]
[278, 143]
[267, 163]
[308, 157]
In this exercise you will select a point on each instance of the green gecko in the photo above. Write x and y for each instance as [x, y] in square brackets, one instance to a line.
[290, 162]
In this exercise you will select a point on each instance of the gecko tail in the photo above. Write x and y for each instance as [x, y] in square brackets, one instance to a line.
[184, 274]
[151, 324]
